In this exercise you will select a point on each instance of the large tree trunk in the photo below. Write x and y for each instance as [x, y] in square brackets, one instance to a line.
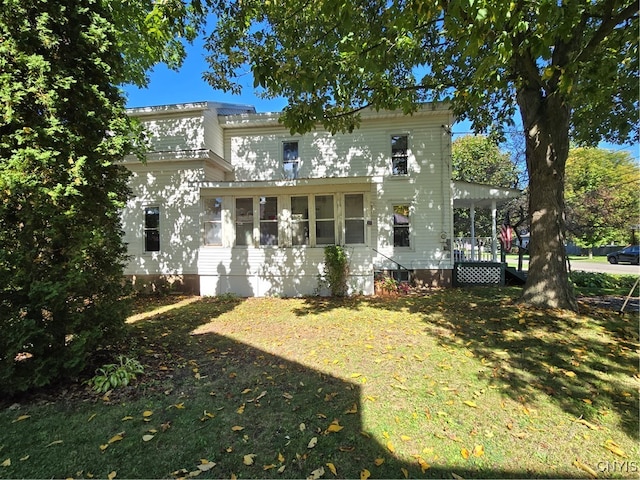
[546, 124]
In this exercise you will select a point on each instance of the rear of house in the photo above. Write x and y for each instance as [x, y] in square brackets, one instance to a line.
[229, 201]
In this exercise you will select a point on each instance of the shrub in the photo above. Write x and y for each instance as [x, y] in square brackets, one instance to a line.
[115, 375]
[336, 270]
[602, 280]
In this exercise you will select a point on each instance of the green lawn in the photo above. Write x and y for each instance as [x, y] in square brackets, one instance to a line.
[457, 382]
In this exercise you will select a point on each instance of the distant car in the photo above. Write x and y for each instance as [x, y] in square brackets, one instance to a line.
[626, 255]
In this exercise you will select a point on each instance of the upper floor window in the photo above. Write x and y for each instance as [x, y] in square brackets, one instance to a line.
[151, 229]
[354, 218]
[300, 220]
[268, 220]
[325, 221]
[244, 221]
[399, 154]
[290, 159]
[401, 226]
[213, 221]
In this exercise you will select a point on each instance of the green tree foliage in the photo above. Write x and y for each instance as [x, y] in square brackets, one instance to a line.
[63, 131]
[565, 67]
[602, 196]
[478, 159]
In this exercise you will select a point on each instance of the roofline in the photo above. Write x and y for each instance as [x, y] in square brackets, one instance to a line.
[243, 120]
[184, 107]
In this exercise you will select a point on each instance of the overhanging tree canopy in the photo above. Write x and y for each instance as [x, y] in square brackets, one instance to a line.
[569, 68]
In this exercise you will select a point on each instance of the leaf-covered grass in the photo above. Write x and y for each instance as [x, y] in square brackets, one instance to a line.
[461, 382]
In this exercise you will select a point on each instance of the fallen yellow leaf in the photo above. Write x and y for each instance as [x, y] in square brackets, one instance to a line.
[269, 467]
[405, 472]
[613, 447]
[470, 403]
[465, 453]
[116, 438]
[21, 418]
[585, 468]
[248, 459]
[478, 450]
[104, 447]
[128, 417]
[317, 473]
[334, 427]
[390, 447]
[424, 466]
[280, 457]
[313, 442]
[26, 457]
[146, 438]
[112, 475]
[147, 413]
[240, 409]
[364, 474]
[405, 438]
[332, 469]
[55, 442]
[6, 463]
[378, 461]
[353, 409]
[205, 467]
[237, 428]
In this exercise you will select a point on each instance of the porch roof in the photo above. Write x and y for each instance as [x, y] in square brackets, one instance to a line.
[466, 193]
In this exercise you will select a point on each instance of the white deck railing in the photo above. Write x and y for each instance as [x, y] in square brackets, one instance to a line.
[466, 249]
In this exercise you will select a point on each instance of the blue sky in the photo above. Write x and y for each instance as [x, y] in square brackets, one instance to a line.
[187, 85]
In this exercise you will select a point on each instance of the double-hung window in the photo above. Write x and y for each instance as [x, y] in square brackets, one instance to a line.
[290, 159]
[213, 221]
[300, 220]
[400, 154]
[151, 229]
[354, 218]
[325, 220]
[401, 226]
[244, 221]
[268, 220]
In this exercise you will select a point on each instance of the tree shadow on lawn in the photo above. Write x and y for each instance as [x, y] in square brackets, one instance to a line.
[587, 362]
[280, 404]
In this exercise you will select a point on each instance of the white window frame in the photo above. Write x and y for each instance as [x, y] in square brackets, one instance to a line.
[362, 218]
[219, 221]
[295, 162]
[396, 156]
[275, 221]
[314, 220]
[146, 229]
[393, 225]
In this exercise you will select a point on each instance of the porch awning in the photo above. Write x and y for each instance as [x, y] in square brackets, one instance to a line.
[466, 194]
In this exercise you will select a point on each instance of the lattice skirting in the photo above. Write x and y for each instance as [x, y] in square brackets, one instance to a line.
[479, 273]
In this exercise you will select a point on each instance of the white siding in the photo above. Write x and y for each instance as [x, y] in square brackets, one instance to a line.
[254, 151]
[171, 133]
[174, 189]
[290, 272]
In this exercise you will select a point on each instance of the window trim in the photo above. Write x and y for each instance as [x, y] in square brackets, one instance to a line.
[206, 221]
[296, 161]
[314, 241]
[406, 155]
[345, 218]
[146, 229]
[409, 206]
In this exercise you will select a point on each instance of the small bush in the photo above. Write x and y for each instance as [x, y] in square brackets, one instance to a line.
[603, 281]
[336, 270]
[115, 375]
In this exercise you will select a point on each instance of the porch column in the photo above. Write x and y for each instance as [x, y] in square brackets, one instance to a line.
[472, 216]
[494, 232]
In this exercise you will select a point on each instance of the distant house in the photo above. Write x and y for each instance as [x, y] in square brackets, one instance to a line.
[229, 201]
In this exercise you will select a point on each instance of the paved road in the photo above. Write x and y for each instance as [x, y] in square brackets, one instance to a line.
[590, 266]
[587, 266]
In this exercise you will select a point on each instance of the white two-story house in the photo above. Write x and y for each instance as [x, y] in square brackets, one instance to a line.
[229, 201]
